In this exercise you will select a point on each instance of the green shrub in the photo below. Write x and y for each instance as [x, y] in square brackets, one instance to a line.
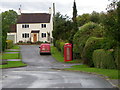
[9, 44]
[60, 46]
[92, 44]
[117, 57]
[104, 59]
[88, 30]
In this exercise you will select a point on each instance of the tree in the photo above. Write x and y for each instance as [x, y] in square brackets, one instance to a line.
[62, 27]
[112, 23]
[83, 19]
[8, 18]
[75, 26]
[94, 17]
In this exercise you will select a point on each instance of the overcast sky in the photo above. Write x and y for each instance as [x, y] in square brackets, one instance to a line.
[62, 6]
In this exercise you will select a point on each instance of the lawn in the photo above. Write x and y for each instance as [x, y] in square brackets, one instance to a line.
[15, 47]
[11, 51]
[11, 56]
[59, 57]
[11, 64]
[111, 73]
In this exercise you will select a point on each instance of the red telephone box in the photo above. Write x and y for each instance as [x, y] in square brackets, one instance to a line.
[67, 52]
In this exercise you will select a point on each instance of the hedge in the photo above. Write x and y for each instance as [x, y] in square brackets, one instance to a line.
[92, 44]
[60, 46]
[88, 30]
[117, 57]
[104, 59]
[9, 44]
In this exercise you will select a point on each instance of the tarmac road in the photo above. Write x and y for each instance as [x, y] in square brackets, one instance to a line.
[42, 72]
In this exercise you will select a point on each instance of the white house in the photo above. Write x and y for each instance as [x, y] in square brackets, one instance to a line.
[32, 27]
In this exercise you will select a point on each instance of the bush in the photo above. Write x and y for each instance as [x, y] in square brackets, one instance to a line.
[92, 44]
[9, 44]
[117, 57]
[104, 59]
[60, 46]
[88, 30]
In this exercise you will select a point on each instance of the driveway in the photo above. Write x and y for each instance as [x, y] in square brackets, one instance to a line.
[43, 72]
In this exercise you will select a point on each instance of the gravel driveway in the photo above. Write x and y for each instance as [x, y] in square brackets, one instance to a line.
[42, 72]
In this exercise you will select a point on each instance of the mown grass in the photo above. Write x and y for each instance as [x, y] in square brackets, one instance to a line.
[59, 57]
[12, 64]
[11, 56]
[111, 73]
[11, 51]
[15, 47]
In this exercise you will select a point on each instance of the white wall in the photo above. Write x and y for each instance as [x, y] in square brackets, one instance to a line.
[14, 34]
[35, 26]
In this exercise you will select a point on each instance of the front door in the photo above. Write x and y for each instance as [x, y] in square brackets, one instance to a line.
[34, 37]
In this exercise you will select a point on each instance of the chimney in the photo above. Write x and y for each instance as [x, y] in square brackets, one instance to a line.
[19, 10]
[50, 10]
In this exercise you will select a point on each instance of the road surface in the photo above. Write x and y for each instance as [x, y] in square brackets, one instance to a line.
[43, 72]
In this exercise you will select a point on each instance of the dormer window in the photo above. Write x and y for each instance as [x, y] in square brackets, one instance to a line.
[25, 26]
[43, 25]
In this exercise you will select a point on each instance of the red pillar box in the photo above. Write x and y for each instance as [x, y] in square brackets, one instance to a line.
[67, 52]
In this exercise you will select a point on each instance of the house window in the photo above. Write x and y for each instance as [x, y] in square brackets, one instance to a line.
[43, 35]
[25, 26]
[25, 35]
[43, 25]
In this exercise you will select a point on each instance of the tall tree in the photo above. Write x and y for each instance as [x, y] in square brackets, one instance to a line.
[8, 18]
[75, 26]
[74, 12]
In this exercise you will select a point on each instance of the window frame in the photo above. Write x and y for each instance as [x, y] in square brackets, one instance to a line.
[43, 35]
[25, 35]
[25, 25]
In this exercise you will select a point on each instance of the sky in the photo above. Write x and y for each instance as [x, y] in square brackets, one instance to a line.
[62, 6]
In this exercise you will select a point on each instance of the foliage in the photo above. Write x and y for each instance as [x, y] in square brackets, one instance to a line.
[74, 24]
[83, 19]
[117, 57]
[92, 44]
[104, 59]
[95, 17]
[86, 31]
[62, 27]
[56, 54]
[8, 18]
[9, 44]
[60, 46]
[112, 23]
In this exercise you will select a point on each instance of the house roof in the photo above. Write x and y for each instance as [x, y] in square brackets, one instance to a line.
[34, 18]
[12, 28]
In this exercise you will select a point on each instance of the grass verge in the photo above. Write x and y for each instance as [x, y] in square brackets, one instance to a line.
[111, 73]
[11, 51]
[12, 64]
[11, 56]
[15, 47]
[59, 57]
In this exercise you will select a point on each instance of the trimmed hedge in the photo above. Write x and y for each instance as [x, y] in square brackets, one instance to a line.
[60, 46]
[104, 59]
[9, 44]
[92, 44]
[117, 57]
[88, 30]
